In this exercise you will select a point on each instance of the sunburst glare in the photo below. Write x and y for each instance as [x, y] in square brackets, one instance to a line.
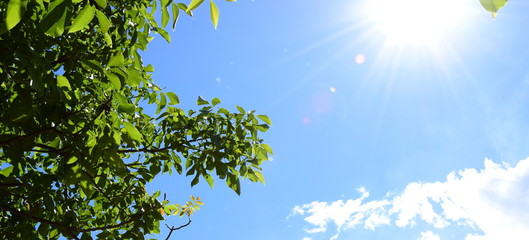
[416, 21]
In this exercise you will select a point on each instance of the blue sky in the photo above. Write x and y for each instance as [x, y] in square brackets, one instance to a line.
[376, 134]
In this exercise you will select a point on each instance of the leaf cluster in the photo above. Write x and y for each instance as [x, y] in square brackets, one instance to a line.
[76, 144]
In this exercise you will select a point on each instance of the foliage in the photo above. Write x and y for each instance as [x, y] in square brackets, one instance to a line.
[493, 5]
[76, 144]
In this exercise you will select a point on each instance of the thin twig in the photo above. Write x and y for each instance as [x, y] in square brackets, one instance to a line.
[178, 228]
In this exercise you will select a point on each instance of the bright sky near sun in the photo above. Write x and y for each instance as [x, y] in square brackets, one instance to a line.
[391, 119]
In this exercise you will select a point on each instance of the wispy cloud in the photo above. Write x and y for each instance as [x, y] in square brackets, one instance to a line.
[493, 203]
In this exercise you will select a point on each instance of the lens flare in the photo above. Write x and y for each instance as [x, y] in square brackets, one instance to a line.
[360, 58]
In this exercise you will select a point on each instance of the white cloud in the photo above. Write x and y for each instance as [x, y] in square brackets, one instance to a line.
[429, 235]
[493, 203]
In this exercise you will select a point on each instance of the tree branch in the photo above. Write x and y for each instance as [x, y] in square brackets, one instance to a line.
[134, 217]
[178, 228]
[7, 185]
[23, 137]
[149, 150]
[50, 149]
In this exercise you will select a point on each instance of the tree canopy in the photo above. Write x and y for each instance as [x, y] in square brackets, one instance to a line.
[77, 145]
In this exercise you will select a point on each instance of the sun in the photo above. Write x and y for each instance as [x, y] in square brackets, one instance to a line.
[415, 21]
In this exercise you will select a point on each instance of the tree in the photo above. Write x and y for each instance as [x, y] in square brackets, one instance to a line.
[76, 144]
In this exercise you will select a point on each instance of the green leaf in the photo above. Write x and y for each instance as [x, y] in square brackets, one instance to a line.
[116, 61]
[63, 82]
[94, 65]
[493, 5]
[15, 12]
[83, 19]
[182, 6]
[193, 5]
[265, 119]
[262, 127]
[124, 105]
[214, 12]
[259, 176]
[149, 68]
[162, 103]
[201, 101]
[165, 16]
[233, 182]
[55, 19]
[173, 98]
[195, 180]
[108, 39]
[136, 60]
[176, 12]
[114, 80]
[104, 22]
[189, 163]
[215, 101]
[241, 110]
[133, 132]
[209, 179]
[164, 34]
[6, 171]
[267, 148]
[101, 3]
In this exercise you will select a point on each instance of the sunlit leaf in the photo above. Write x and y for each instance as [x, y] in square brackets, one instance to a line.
[165, 16]
[214, 13]
[133, 132]
[215, 101]
[101, 3]
[193, 5]
[104, 22]
[241, 110]
[267, 148]
[54, 21]
[164, 34]
[15, 12]
[201, 101]
[259, 176]
[173, 98]
[175, 10]
[265, 118]
[63, 82]
[116, 60]
[114, 79]
[83, 19]
[493, 5]
[162, 103]
[6, 171]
